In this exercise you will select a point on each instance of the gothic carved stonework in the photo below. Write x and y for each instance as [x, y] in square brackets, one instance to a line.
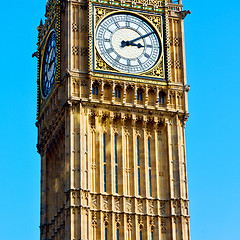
[94, 219]
[106, 219]
[75, 50]
[75, 27]
[177, 41]
[151, 207]
[140, 222]
[152, 223]
[163, 226]
[140, 206]
[117, 220]
[163, 208]
[128, 205]
[129, 222]
[117, 204]
[83, 51]
[94, 202]
[105, 203]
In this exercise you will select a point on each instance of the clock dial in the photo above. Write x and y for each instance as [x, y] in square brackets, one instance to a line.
[49, 64]
[128, 43]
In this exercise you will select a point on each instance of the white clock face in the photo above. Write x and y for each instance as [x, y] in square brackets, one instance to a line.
[128, 43]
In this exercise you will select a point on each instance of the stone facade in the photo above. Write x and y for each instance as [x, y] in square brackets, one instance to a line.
[112, 163]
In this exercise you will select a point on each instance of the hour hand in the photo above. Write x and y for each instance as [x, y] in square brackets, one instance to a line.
[130, 43]
[139, 45]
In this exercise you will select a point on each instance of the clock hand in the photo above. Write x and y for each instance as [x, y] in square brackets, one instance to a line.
[146, 35]
[127, 43]
[130, 43]
[51, 62]
[139, 45]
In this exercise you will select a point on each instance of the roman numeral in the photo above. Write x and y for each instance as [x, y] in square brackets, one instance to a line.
[109, 50]
[116, 23]
[146, 55]
[117, 58]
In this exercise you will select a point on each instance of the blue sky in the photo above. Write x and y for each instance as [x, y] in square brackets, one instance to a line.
[212, 35]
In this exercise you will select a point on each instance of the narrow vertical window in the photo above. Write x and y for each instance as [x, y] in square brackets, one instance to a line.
[94, 90]
[139, 95]
[151, 235]
[105, 233]
[117, 234]
[149, 168]
[116, 163]
[119, 93]
[138, 163]
[161, 97]
[140, 235]
[104, 163]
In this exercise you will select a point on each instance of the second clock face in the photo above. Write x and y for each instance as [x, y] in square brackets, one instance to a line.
[128, 43]
[49, 64]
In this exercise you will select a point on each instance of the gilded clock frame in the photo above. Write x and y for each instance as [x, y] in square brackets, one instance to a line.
[99, 68]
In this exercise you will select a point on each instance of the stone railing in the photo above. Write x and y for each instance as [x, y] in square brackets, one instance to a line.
[176, 7]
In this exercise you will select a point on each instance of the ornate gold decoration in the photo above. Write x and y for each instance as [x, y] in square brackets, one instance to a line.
[101, 65]
[100, 13]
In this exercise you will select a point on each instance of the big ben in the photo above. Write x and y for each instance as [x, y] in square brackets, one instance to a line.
[112, 108]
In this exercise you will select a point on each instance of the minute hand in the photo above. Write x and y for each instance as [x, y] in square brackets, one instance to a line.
[134, 40]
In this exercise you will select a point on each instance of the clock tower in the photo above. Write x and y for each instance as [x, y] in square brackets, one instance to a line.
[112, 107]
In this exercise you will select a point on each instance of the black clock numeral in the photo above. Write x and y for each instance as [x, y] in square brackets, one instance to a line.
[116, 23]
[109, 50]
[117, 58]
[140, 63]
[106, 40]
[149, 46]
[146, 55]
